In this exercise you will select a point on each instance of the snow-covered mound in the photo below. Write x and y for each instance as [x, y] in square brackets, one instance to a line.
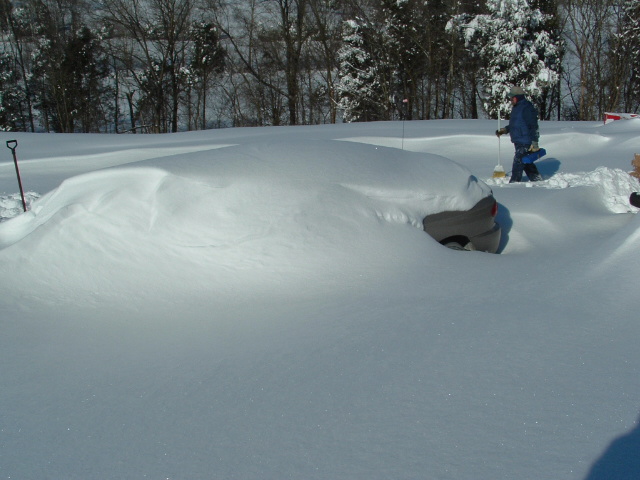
[11, 205]
[613, 184]
[255, 213]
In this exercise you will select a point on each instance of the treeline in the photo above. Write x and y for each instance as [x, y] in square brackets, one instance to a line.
[170, 65]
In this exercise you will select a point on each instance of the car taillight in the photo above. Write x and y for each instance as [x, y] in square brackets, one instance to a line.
[494, 209]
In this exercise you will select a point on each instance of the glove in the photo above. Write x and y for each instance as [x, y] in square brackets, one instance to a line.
[534, 147]
[502, 131]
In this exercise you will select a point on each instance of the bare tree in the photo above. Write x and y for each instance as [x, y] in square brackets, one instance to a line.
[326, 28]
[268, 39]
[153, 40]
[624, 71]
[588, 26]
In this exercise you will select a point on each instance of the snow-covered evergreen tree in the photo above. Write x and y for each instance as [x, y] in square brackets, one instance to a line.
[69, 80]
[513, 48]
[404, 26]
[11, 96]
[362, 90]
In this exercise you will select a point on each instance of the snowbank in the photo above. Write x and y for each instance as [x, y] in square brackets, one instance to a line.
[11, 205]
[614, 185]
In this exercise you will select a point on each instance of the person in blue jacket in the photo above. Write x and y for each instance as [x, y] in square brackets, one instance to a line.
[523, 130]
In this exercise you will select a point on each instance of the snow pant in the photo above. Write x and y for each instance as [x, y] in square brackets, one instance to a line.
[518, 166]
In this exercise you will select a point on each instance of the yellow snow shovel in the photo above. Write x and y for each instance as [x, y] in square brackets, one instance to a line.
[498, 171]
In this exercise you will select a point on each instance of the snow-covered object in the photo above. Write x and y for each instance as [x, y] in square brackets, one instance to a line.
[612, 116]
[254, 188]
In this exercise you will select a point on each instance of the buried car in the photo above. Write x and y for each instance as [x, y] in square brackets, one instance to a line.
[448, 187]
[473, 229]
[425, 190]
[272, 203]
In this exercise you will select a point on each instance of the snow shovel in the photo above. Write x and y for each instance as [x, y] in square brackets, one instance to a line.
[12, 145]
[498, 171]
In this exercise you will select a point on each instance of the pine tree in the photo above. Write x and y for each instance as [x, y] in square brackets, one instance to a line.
[403, 23]
[69, 69]
[513, 49]
[11, 96]
[69, 81]
[363, 78]
[206, 60]
[549, 99]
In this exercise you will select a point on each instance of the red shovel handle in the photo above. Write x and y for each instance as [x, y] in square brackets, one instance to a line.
[11, 145]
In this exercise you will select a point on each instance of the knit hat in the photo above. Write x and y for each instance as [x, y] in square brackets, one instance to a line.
[515, 91]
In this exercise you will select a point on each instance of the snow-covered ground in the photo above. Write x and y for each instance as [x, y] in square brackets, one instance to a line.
[168, 310]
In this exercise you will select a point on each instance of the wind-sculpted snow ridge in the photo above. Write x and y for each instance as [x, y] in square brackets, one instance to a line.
[91, 196]
[615, 185]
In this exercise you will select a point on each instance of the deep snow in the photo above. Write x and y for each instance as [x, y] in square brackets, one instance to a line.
[170, 310]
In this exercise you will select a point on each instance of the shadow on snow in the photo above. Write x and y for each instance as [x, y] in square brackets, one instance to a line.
[621, 460]
[506, 223]
[548, 167]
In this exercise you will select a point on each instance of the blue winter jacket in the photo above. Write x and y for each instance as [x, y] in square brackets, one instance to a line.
[523, 124]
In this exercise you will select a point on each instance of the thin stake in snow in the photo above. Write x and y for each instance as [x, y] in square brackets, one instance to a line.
[498, 171]
[12, 145]
[405, 103]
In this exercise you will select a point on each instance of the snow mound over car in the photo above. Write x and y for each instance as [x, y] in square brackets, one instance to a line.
[264, 211]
